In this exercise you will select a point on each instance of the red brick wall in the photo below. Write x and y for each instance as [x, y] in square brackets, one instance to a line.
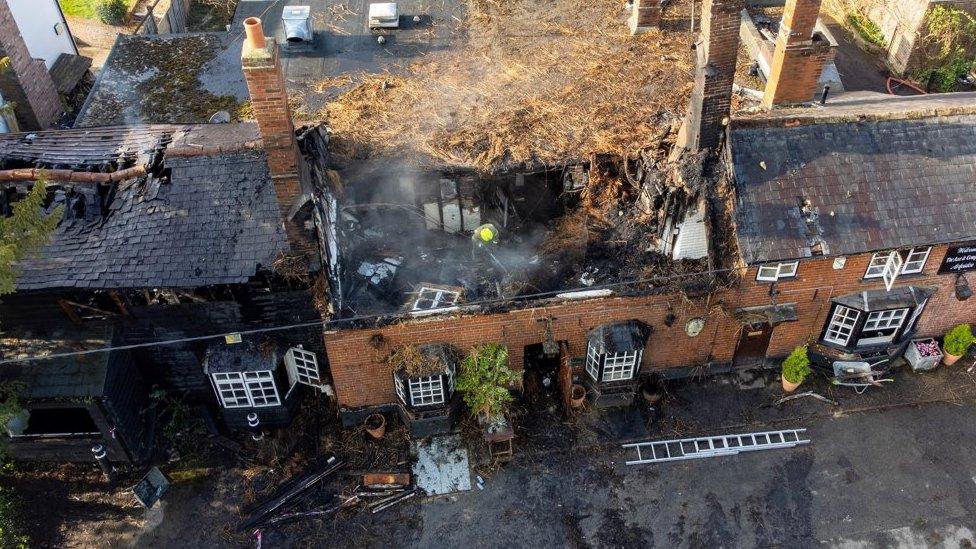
[363, 378]
[27, 82]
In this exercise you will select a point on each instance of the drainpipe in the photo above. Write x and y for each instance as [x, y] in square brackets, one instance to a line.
[255, 425]
[101, 457]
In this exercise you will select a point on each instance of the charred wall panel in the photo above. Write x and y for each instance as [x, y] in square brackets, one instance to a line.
[127, 405]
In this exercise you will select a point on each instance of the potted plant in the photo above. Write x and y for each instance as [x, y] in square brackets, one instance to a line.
[484, 381]
[376, 425]
[796, 368]
[956, 342]
[578, 396]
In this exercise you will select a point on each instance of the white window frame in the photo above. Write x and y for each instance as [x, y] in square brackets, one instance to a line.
[777, 271]
[302, 367]
[440, 299]
[888, 320]
[892, 269]
[246, 389]
[593, 362]
[916, 256]
[913, 261]
[426, 391]
[840, 329]
[620, 366]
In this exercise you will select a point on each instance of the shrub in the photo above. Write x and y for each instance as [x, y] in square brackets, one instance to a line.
[867, 29]
[11, 532]
[958, 340]
[796, 367]
[484, 380]
[112, 12]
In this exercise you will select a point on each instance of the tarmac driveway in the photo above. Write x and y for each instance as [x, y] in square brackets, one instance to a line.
[902, 477]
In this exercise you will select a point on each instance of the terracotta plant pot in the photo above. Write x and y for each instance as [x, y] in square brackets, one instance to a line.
[948, 359]
[376, 426]
[578, 396]
[652, 396]
[789, 386]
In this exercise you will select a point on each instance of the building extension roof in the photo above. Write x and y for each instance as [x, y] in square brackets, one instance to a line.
[173, 78]
[202, 212]
[869, 181]
[78, 376]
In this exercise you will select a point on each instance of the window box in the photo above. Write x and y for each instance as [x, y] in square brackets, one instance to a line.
[923, 354]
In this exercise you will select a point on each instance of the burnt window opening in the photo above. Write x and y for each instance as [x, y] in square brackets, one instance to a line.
[54, 422]
[432, 299]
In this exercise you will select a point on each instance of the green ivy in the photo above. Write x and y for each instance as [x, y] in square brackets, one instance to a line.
[867, 29]
[949, 46]
[11, 531]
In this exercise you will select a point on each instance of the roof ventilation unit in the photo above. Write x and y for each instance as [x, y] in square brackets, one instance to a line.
[298, 24]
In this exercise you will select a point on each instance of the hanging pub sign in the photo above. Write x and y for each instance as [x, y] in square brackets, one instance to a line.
[959, 259]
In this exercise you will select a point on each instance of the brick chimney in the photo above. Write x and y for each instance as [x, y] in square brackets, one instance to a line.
[800, 56]
[269, 101]
[646, 15]
[26, 82]
[711, 97]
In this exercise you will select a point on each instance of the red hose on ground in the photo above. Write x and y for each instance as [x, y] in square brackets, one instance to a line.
[904, 82]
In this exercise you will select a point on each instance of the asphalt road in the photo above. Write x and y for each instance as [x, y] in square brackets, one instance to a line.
[901, 477]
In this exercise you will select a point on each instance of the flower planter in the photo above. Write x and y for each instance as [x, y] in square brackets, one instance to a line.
[376, 426]
[949, 360]
[578, 396]
[789, 386]
[652, 396]
[923, 354]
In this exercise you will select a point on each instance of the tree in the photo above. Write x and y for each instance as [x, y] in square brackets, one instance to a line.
[25, 232]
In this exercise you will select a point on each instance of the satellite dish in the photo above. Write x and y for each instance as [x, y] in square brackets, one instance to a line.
[220, 117]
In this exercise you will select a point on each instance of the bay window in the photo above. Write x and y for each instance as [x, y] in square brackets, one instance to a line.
[875, 318]
[425, 376]
[614, 351]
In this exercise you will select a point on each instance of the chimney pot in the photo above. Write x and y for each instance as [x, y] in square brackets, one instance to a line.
[254, 32]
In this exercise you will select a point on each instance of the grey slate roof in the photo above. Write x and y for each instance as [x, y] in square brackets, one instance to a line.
[875, 185]
[215, 221]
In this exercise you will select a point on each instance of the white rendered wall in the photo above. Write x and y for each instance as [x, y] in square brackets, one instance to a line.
[36, 20]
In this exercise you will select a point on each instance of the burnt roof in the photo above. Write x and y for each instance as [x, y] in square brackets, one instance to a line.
[872, 185]
[247, 356]
[620, 337]
[73, 376]
[209, 216]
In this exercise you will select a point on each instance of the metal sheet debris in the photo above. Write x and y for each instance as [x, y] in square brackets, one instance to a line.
[442, 465]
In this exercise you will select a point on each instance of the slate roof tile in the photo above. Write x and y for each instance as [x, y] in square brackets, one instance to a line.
[888, 184]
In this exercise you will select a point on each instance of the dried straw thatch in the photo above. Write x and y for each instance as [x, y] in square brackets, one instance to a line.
[534, 81]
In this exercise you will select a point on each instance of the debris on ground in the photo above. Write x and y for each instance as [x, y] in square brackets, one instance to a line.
[287, 492]
[805, 395]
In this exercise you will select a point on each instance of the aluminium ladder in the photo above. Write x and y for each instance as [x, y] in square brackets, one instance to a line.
[722, 445]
